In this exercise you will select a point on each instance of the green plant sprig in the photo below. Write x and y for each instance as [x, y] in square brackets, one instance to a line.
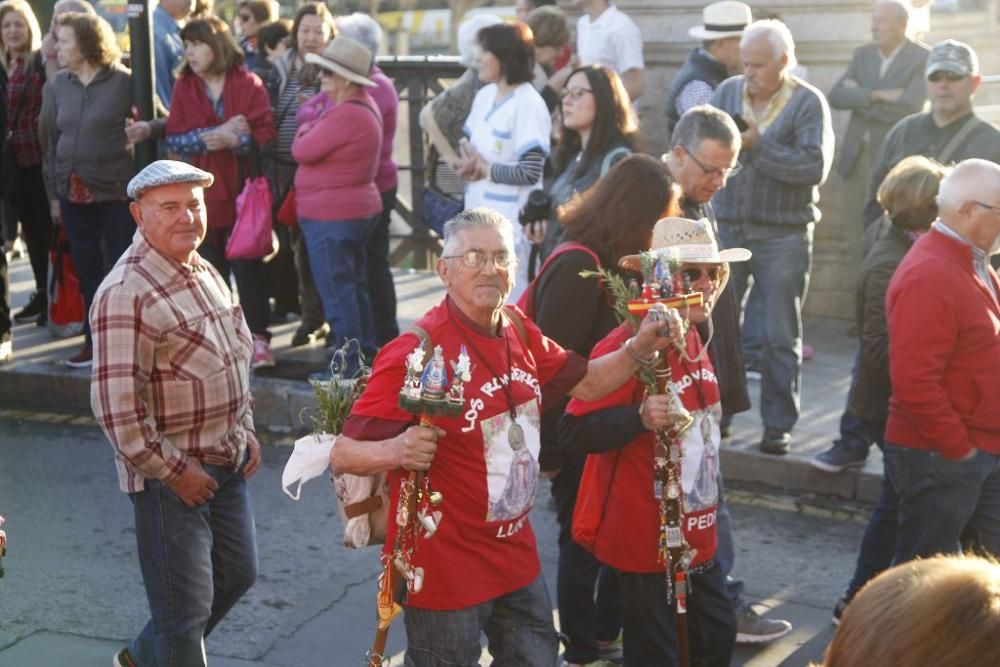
[335, 398]
[621, 295]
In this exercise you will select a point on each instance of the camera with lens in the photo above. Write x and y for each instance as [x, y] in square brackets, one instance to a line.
[537, 208]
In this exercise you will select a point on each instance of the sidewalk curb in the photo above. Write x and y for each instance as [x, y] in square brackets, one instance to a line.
[280, 405]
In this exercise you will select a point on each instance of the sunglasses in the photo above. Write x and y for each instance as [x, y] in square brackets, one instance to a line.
[949, 76]
[694, 274]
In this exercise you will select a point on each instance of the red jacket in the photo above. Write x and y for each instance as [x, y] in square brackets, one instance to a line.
[190, 109]
[944, 351]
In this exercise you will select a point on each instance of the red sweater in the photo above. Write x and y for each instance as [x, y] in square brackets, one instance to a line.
[944, 351]
[338, 156]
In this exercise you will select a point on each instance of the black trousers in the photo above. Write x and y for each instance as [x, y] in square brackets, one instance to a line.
[31, 205]
[380, 284]
[5, 322]
[650, 632]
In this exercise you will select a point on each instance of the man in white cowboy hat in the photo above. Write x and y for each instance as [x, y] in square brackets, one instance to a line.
[624, 529]
[713, 62]
[171, 391]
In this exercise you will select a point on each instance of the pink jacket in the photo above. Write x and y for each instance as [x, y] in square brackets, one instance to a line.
[338, 156]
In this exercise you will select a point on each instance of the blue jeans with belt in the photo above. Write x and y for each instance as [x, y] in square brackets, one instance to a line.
[780, 271]
[942, 501]
[196, 563]
[338, 258]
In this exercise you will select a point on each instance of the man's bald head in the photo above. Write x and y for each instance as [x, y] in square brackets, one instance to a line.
[969, 201]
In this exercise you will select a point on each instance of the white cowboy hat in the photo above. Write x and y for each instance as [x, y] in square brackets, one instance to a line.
[346, 57]
[721, 20]
[688, 241]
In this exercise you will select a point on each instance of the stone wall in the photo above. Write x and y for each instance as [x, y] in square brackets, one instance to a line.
[826, 34]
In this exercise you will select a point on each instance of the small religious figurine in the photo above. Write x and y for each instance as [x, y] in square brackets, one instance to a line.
[414, 367]
[462, 370]
[434, 382]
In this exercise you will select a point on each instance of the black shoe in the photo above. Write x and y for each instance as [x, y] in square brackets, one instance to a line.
[36, 308]
[776, 442]
[726, 426]
[838, 610]
[839, 457]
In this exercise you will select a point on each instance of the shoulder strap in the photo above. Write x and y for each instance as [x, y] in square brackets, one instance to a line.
[945, 155]
[527, 300]
[610, 158]
[518, 322]
[373, 112]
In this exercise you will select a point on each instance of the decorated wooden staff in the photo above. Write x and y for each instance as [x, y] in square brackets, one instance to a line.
[656, 296]
[425, 394]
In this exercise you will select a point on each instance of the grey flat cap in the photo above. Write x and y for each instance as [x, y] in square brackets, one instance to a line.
[167, 172]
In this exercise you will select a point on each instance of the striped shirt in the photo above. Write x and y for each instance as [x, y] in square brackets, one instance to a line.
[288, 106]
[171, 367]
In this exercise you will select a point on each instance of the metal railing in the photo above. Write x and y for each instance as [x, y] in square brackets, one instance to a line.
[417, 79]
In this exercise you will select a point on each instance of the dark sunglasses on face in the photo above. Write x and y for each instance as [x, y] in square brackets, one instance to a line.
[694, 274]
[950, 76]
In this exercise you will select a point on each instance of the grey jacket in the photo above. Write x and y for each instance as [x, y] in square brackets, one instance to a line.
[778, 186]
[876, 118]
[87, 135]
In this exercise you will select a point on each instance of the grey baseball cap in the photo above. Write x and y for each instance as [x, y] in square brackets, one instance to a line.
[167, 172]
[952, 56]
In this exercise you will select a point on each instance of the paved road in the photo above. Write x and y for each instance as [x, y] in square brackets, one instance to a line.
[73, 591]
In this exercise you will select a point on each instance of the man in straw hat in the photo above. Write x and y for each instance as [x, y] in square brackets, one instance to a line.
[171, 391]
[618, 482]
[481, 568]
[716, 60]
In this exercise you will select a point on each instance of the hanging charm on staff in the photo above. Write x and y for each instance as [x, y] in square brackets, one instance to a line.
[426, 394]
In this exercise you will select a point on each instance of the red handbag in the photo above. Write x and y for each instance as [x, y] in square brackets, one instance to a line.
[288, 213]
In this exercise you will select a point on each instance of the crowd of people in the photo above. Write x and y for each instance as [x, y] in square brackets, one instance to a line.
[540, 179]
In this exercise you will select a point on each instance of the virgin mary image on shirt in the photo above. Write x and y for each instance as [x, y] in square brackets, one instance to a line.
[511, 463]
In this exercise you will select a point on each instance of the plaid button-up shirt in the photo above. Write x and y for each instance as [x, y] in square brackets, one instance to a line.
[24, 104]
[171, 366]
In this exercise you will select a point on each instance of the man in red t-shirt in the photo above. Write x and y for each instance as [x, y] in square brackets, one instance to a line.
[481, 568]
[617, 503]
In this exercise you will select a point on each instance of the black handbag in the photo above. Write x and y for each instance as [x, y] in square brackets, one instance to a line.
[436, 208]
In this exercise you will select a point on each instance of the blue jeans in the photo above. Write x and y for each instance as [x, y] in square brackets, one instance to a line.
[585, 618]
[518, 629]
[650, 632]
[878, 546]
[196, 563]
[940, 500]
[91, 229]
[725, 551]
[338, 258]
[780, 269]
[383, 289]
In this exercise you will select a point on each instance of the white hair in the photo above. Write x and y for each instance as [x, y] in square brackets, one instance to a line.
[777, 33]
[361, 28]
[477, 218]
[468, 36]
[903, 7]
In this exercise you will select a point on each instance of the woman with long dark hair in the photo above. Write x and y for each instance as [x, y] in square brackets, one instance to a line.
[613, 219]
[598, 129]
[220, 116]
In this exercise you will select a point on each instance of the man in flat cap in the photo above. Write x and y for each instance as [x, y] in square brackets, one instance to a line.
[170, 389]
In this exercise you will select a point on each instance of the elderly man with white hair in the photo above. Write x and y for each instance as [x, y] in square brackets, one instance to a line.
[481, 569]
[770, 207]
[942, 439]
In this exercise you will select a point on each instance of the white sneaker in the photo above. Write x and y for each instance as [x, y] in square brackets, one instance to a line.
[6, 349]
